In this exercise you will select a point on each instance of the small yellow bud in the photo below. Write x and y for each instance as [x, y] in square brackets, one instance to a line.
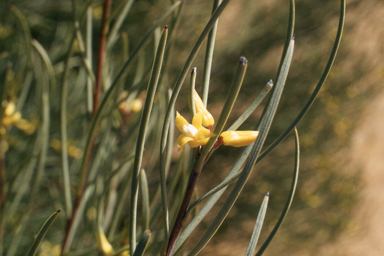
[103, 244]
[200, 107]
[238, 138]
[137, 105]
[10, 109]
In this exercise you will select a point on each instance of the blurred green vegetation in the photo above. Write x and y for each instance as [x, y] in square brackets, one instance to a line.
[255, 29]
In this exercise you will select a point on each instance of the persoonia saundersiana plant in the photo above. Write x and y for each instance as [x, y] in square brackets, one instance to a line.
[121, 177]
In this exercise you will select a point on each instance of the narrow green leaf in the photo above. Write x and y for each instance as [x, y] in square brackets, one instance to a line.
[259, 223]
[48, 64]
[145, 197]
[156, 70]
[216, 189]
[214, 198]
[319, 84]
[77, 218]
[44, 229]
[209, 56]
[191, 100]
[290, 33]
[267, 120]
[109, 94]
[122, 198]
[142, 244]
[290, 197]
[183, 73]
[226, 111]
[255, 103]
[27, 31]
[80, 42]
[88, 55]
[176, 91]
[113, 35]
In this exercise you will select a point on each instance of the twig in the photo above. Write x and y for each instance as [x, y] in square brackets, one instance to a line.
[101, 54]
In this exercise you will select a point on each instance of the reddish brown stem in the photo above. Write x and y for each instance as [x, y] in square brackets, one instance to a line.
[177, 227]
[101, 54]
[96, 100]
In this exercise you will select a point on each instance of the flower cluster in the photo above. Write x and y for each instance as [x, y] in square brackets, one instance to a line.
[198, 133]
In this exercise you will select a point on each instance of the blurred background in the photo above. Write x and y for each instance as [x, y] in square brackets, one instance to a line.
[338, 208]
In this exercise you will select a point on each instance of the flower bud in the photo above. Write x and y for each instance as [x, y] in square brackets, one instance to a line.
[238, 138]
[200, 107]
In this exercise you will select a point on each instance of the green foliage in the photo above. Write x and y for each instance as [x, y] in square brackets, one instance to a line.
[106, 154]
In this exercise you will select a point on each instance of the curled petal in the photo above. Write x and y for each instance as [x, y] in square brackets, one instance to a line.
[182, 140]
[200, 108]
[180, 122]
[197, 120]
[203, 133]
[194, 143]
[238, 138]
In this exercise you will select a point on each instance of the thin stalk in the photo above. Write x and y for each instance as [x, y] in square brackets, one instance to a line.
[153, 82]
[101, 54]
[178, 225]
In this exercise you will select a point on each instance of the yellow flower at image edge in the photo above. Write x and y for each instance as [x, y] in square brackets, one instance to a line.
[194, 134]
[238, 138]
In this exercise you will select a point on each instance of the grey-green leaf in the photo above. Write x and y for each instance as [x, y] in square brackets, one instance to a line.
[258, 225]
[44, 229]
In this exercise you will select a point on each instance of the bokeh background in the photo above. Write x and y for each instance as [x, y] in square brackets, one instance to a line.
[338, 207]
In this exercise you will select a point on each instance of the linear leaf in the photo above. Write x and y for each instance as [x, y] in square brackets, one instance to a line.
[44, 229]
[290, 198]
[258, 225]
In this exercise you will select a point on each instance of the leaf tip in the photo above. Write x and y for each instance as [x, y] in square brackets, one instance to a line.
[243, 61]
[269, 85]
[267, 194]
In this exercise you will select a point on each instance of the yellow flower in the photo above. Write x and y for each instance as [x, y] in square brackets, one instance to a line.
[208, 120]
[194, 134]
[11, 116]
[238, 138]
